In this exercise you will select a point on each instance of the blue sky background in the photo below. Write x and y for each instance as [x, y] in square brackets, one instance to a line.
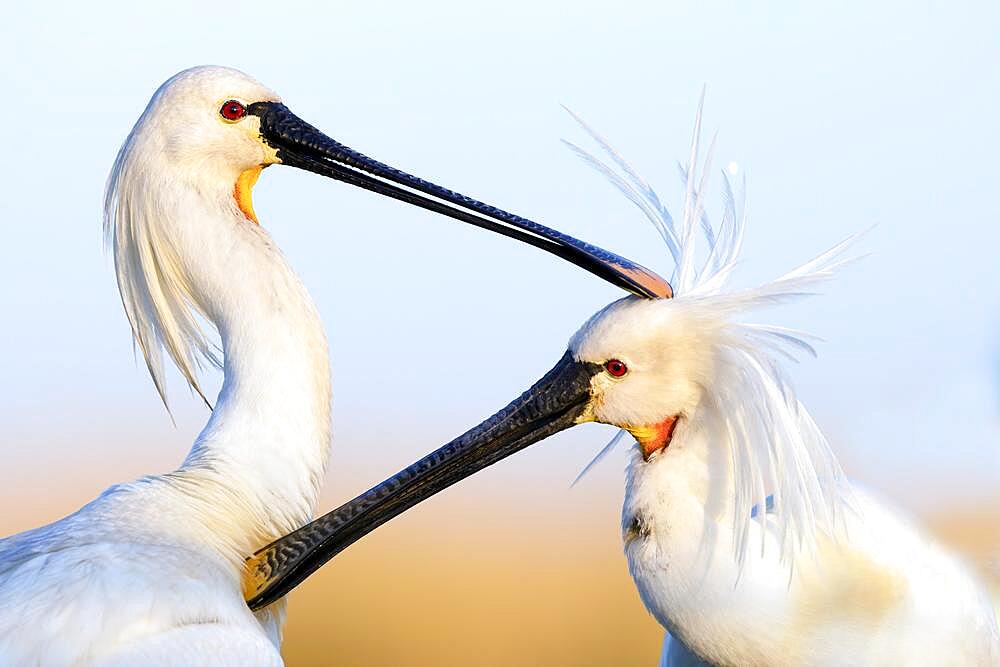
[842, 117]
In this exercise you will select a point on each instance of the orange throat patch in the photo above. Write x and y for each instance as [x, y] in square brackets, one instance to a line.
[243, 192]
[654, 437]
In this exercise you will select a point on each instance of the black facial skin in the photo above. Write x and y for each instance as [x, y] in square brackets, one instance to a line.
[553, 404]
[299, 144]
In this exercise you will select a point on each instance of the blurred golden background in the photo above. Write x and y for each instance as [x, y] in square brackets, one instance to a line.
[492, 572]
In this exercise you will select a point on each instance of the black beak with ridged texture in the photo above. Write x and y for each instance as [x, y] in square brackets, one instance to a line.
[554, 403]
[299, 144]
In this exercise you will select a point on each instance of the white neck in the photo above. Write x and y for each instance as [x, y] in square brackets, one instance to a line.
[677, 525]
[682, 527]
[261, 458]
[682, 495]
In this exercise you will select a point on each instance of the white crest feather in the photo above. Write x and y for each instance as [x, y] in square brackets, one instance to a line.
[777, 449]
[158, 299]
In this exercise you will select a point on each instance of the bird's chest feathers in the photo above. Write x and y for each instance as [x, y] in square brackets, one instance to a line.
[679, 549]
[681, 556]
[663, 516]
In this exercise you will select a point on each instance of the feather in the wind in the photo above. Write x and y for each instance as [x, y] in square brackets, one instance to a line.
[780, 458]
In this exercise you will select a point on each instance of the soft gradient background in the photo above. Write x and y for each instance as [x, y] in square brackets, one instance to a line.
[842, 118]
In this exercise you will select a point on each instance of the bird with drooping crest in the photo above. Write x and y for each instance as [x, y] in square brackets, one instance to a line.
[151, 571]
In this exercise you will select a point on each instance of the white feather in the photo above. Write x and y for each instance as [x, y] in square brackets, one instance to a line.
[160, 303]
[600, 456]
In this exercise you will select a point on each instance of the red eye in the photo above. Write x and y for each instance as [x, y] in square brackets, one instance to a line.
[233, 110]
[616, 367]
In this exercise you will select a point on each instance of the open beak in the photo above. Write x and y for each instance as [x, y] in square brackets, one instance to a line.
[556, 402]
[299, 144]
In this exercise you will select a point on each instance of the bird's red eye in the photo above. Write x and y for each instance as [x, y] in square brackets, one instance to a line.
[232, 110]
[616, 367]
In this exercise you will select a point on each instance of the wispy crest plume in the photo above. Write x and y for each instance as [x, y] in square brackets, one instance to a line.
[158, 298]
[777, 450]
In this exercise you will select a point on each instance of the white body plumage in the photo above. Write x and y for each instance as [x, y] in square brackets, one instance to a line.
[881, 593]
[150, 572]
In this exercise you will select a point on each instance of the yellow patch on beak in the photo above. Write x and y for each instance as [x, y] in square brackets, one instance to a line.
[243, 192]
[653, 437]
[256, 575]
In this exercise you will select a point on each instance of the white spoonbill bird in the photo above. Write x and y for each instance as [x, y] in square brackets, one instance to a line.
[150, 571]
[742, 535]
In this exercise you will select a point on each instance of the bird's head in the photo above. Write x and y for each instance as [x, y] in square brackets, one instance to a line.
[201, 144]
[201, 119]
[650, 362]
[208, 123]
[198, 131]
